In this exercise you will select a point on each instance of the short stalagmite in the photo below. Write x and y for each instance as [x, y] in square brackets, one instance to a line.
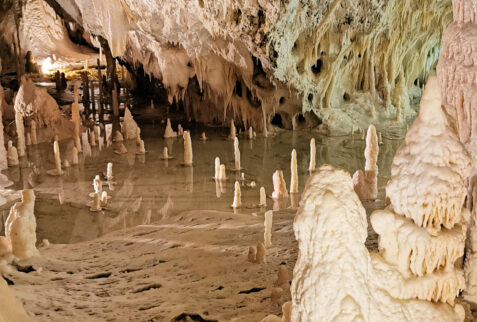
[20, 226]
[267, 235]
[203, 137]
[263, 197]
[180, 130]
[96, 206]
[261, 254]
[169, 132]
[233, 133]
[283, 277]
[294, 173]
[141, 148]
[12, 155]
[74, 156]
[366, 184]
[312, 166]
[57, 171]
[252, 254]
[20, 134]
[279, 185]
[217, 168]
[187, 149]
[109, 171]
[33, 135]
[237, 154]
[237, 196]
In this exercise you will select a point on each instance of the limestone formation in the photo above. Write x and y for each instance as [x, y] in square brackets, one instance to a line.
[366, 184]
[237, 154]
[312, 166]
[294, 173]
[169, 132]
[130, 128]
[237, 203]
[279, 185]
[261, 254]
[263, 197]
[20, 226]
[267, 235]
[187, 149]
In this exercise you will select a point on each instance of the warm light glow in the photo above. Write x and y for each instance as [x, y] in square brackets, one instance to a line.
[48, 66]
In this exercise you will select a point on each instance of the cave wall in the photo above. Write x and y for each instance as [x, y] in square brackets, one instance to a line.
[350, 63]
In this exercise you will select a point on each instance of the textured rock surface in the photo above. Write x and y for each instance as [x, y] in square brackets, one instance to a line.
[346, 61]
[334, 270]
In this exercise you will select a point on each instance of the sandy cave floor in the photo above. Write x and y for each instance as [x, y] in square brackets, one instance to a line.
[168, 245]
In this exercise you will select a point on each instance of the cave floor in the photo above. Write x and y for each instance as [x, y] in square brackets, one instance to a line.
[169, 244]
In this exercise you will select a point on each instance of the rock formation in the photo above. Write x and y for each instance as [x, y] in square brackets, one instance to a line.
[366, 184]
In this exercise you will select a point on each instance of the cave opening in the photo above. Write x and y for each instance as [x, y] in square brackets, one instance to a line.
[277, 120]
[316, 68]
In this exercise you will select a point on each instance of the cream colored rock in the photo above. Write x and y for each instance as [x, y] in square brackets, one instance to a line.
[237, 154]
[187, 149]
[12, 155]
[426, 183]
[331, 230]
[267, 235]
[96, 206]
[237, 203]
[169, 132]
[203, 137]
[312, 165]
[20, 226]
[294, 173]
[261, 254]
[279, 185]
[217, 168]
[57, 171]
[104, 199]
[366, 184]
[130, 126]
[109, 171]
[252, 254]
[263, 197]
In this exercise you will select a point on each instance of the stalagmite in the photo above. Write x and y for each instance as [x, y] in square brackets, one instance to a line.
[237, 154]
[74, 156]
[222, 174]
[130, 128]
[118, 137]
[20, 226]
[366, 184]
[203, 137]
[121, 150]
[331, 228]
[76, 119]
[261, 254]
[169, 132]
[267, 235]
[97, 185]
[187, 149]
[279, 185]
[141, 149]
[92, 139]
[3, 151]
[114, 98]
[165, 154]
[233, 133]
[138, 136]
[283, 278]
[104, 199]
[57, 171]
[294, 173]
[180, 130]
[263, 197]
[250, 133]
[12, 155]
[237, 196]
[252, 254]
[96, 206]
[20, 133]
[66, 163]
[109, 171]
[217, 168]
[312, 166]
[28, 139]
[33, 135]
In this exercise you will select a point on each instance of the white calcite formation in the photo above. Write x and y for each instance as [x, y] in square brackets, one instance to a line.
[456, 71]
[217, 168]
[187, 149]
[12, 155]
[3, 151]
[20, 226]
[267, 234]
[293, 173]
[109, 171]
[279, 186]
[312, 165]
[169, 132]
[331, 229]
[237, 154]
[429, 168]
[20, 134]
[237, 203]
[130, 128]
[57, 171]
[263, 197]
[366, 184]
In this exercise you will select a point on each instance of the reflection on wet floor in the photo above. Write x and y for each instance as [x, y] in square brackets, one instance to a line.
[148, 189]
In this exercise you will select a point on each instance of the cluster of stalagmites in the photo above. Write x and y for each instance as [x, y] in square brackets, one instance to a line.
[415, 275]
